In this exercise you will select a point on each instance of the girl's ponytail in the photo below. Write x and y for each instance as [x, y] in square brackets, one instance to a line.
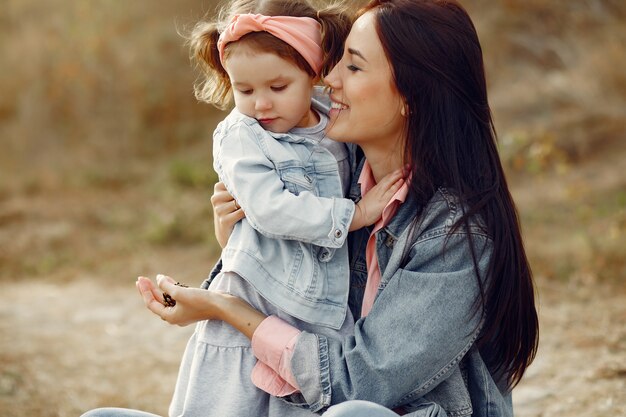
[336, 21]
[214, 86]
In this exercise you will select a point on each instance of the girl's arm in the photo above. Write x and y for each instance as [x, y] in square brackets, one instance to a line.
[369, 209]
[270, 208]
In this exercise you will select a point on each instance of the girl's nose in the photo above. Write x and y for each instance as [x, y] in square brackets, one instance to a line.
[262, 103]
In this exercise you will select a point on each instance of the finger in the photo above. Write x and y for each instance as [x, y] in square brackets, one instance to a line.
[393, 189]
[238, 215]
[167, 284]
[395, 175]
[220, 197]
[219, 209]
[146, 284]
[390, 179]
[219, 186]
[229, 220]
[228, 207]
[149, 300]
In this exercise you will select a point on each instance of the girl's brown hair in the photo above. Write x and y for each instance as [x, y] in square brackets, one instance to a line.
[214, 85]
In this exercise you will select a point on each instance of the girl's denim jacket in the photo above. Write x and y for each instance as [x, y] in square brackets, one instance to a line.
[291, 245]
[418, 343]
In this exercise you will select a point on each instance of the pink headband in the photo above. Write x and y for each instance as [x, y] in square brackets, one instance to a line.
[302, 33]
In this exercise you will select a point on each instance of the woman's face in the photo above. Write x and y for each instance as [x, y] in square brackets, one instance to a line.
[365, 102]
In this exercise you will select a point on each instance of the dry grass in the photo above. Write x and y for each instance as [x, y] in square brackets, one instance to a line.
[105, 174]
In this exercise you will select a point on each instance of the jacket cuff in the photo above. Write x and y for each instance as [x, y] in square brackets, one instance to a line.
[343, 212]
[311, 368]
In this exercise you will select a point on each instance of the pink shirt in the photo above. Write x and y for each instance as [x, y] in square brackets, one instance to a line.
[367, 181]
[274, 340]
[272, 343]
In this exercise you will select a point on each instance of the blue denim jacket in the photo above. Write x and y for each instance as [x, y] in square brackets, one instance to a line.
[418, 343]
[291, 245]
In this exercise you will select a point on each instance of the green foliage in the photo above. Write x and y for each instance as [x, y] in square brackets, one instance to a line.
[187, 174]
[524, 153]
[173, 230]
[100, 128]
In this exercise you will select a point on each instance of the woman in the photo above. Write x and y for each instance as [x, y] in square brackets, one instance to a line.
[445, 308]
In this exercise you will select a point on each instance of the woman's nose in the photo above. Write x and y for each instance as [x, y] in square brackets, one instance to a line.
[333, 79]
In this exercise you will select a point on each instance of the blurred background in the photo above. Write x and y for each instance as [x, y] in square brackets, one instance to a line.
[105, 174]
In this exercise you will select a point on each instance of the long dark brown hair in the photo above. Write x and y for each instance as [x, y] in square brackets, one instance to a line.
[438, 68]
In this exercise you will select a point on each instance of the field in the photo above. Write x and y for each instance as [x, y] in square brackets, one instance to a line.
[105, 174]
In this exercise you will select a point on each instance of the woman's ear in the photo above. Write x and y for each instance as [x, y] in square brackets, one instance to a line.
[404, 110]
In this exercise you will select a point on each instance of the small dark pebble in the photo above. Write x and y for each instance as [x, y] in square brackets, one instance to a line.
[168, 301]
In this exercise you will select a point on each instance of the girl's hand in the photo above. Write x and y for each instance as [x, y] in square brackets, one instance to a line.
[371, 206]
[192, 304]
[226, 213]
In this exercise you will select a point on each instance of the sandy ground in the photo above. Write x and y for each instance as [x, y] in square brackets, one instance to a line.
[70, 347]
[82, 338]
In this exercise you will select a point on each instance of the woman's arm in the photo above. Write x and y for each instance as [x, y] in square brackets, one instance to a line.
[194, 304]
[420, 327]
[226, 213]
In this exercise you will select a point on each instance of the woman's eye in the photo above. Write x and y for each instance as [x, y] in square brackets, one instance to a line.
[279, 87]
[353, 68]
[246, 92]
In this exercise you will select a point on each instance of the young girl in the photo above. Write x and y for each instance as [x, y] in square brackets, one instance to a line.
[288, 258]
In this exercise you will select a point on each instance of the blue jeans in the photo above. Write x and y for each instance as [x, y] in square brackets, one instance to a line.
[354, 408]
[347, 409]
[357, 408]
[117, 412]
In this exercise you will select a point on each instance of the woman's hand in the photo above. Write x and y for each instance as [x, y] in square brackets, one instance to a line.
[192, 304]
[195, 304]
[226, 213]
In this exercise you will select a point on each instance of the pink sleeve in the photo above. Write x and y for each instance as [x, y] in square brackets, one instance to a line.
[273, 343]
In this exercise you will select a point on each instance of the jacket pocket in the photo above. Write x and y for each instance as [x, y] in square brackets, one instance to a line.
[297, 179]
[451, 394]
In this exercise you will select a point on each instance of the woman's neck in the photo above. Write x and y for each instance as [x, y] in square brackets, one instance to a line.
[382, 160]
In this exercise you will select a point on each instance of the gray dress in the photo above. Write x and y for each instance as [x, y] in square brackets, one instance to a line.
[214, 377]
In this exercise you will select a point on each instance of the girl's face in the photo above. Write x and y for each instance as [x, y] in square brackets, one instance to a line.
[366, 104]
[271, 89]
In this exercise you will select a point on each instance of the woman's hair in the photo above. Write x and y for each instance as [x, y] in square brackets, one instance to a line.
[438, 69]
[214, 86]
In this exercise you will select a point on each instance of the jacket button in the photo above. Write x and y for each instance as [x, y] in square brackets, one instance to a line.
[308, 178]
[338, 233]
